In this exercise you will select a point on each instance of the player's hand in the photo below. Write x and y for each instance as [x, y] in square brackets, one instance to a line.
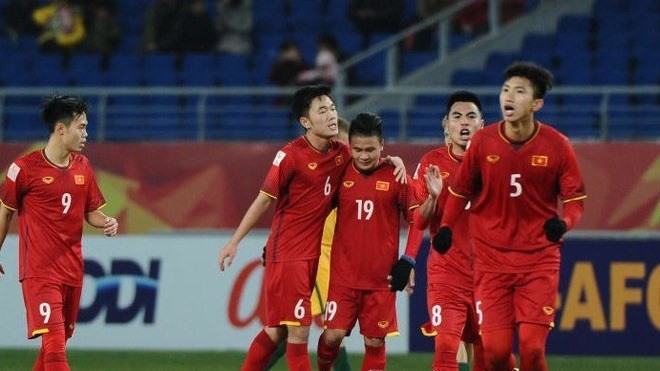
[411, 283]
[110, 226]
[554, 229]
[227, 256]
[400, 273]
[442, 240]
[399, 169]
[433, 181]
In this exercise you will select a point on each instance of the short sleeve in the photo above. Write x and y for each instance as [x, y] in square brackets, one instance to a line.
[571, 184]
[280, 173]
[14, 186]
[95, 198]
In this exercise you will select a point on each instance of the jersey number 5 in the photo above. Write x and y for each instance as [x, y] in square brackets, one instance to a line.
[517, 187]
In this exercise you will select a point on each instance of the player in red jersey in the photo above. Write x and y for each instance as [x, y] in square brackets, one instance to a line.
[450, 294]
[303, 178]
[365, 248]
[53, 190]
[514, 173]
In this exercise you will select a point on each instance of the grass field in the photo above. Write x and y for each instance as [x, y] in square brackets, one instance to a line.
[11, 359]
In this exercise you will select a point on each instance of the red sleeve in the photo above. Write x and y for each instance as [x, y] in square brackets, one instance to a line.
[13, 188]
[94, 196]
[454, 206]
[415, 237]
[279, 175]
[573, 212]
[408, 201]
[571, 185]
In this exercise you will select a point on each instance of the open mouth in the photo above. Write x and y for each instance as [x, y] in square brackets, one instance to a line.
[508, 110]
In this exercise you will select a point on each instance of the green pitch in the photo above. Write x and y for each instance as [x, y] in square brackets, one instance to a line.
[11, 359]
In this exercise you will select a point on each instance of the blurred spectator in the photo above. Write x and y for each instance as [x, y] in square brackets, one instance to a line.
[374, 16]
[426, 39]
[474, 18]
[288, 66]
[158, 35]
[104, 29]
[63, 26]
[235, 26]
[327, 63]
[193, 30]
[17, 17]
[285, 70]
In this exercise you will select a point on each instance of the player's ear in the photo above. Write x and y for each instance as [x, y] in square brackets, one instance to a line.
[304, 121]
[59, 128]
[538, 104]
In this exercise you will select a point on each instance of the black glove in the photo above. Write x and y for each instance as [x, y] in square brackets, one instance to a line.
[263, 257]
[442, 240]
[554, 229]
[400, 273]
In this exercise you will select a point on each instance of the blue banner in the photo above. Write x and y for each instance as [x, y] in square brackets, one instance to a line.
[609, 296]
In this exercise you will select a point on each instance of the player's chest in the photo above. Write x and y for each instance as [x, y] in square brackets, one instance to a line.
[59, 186]
[315, 170]
[379, 191]
[504, 162]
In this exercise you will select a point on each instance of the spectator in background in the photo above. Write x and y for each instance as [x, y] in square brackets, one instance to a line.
[235, 26]
[63, 26]
[193, 30]
[104, 29]
[287, 67]
[426, 39]
[157, 35]
[474, 17]
[374, 16]
[326, 70]
[17, 15]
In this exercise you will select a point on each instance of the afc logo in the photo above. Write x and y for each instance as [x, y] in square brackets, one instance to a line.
[123, 292]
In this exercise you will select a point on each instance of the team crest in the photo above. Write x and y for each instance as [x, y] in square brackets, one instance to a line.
[339, 160]
[538, 160]
[548, 310]
[79, 179]
[312, 165]
[48, 179]
[383, 324]
[382, 186]
[444, 175]
[349, 183]
[492, 158]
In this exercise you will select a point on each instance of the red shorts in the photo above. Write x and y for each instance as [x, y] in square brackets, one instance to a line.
[49, 306]
[451, 310]
[288, 287]
[507, 299]
[376, 311]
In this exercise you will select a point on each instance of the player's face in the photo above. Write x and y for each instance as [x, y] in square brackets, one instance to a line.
[517, 100]
[74, 136]
[322, 120]
[366, 151]
[463, 121]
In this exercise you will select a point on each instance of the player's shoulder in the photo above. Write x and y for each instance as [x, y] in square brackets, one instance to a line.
[434, 155]
[79, 158]
[30, 159]
[550, 132]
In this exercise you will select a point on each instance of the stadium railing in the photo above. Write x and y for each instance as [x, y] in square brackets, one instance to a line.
[581, 112]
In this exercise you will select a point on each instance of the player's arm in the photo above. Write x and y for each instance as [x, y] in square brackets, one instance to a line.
[6, 215]
[98, 219]
[259, 206]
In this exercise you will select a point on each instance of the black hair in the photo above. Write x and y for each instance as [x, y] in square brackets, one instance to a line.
[463, 96]
[366, 125]
[541, 78]
[62, 108]
[303, 98]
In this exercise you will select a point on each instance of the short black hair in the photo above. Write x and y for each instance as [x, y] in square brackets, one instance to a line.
[541, 78]
[366, 125]
[62, 108]
[303, 98]
[463, 96]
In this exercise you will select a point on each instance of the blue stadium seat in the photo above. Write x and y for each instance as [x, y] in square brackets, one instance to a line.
[412, 61]
[467, 78]
[391, 124]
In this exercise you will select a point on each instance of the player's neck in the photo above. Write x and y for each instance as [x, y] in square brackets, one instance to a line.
[457, 149]
[57, 153]
[521, 130]
[319, 143]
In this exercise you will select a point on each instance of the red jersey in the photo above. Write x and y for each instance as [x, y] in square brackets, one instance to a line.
[455, 266]
[514, 188]
[366, 241]
[304, 181]
[51, 202]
